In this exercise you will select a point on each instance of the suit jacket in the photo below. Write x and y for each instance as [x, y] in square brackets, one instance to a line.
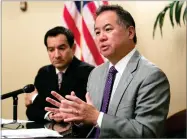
[141, 101]
[74, 79]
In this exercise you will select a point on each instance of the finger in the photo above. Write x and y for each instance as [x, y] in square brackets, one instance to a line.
[64, 105]
[27, 95]
[71, 111]
[54, 110]
[68, 104]
[26, 98]
[88, 99]
[73, 119]
[27, 103]
[53, 102]
[58, 116]
[58, 120]
[73, 93]
[56, 95]
[74, 98]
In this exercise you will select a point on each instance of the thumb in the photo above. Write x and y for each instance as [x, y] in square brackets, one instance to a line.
[88, 99]
[73, 93]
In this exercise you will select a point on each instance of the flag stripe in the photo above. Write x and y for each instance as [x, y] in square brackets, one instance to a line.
[83, 28]
[89, 9]
[71, 24]
[92, 9]
[89, 23]
[105, 2]
[89, 40]
[86, 53]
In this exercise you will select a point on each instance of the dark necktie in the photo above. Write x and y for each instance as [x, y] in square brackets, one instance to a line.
[107, 93]
[60, 79]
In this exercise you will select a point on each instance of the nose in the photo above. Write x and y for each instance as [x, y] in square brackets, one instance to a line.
[102, 37]
[57, 53]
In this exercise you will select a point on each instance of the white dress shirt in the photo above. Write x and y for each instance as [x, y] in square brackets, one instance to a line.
[120, 67]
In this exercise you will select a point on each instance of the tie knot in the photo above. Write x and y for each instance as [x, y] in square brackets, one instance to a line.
[113, 70]
[60, 74]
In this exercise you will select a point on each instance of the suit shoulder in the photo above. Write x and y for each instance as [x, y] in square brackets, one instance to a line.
[149, 67]
[81, 69]
[100, 69]
[84, 65]
[45, 68]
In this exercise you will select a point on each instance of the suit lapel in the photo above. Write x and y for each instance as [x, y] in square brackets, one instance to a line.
[125, 80]
[53, 80]
[101, 86]
[68, 80]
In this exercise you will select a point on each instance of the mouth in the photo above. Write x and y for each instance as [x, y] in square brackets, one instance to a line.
[104, 47]
[58, 62]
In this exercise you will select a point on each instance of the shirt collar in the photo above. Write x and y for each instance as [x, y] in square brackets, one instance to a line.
[121, 65]
[57, 71]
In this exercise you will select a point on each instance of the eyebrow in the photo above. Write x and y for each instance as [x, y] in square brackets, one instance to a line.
[103, 27]
[61, 45]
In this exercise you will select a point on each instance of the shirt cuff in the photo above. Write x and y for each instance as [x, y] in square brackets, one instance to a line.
[33, 97]
[100, 118]
[46, 117]
[78, 125]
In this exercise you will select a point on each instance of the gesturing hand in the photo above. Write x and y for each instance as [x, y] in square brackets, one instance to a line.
[57, 115]
[82, 111]
[29, 96]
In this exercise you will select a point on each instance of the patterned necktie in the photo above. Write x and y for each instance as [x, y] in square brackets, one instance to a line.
[60, 79]
[107, 93]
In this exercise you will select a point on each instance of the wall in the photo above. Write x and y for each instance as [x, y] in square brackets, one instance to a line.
[23, 50]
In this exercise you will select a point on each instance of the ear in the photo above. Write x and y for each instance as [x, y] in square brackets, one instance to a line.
[131, 32]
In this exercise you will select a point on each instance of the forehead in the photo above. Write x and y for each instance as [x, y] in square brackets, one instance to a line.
[106, 17]
[61, 38]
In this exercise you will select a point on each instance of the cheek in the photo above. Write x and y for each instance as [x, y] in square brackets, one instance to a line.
[117, 38]
[114, 36]
[67, 54]
[98, 43]
[50, 56]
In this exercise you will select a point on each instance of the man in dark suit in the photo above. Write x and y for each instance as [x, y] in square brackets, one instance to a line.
[65, 74]
[128, 96]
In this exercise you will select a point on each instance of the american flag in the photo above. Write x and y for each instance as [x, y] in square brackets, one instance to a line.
[79, 17]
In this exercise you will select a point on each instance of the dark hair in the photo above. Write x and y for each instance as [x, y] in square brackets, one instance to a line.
[124, 16]
[60, 30]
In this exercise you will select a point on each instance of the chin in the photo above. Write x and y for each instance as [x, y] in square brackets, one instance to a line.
[106, 55]
[58, 66]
